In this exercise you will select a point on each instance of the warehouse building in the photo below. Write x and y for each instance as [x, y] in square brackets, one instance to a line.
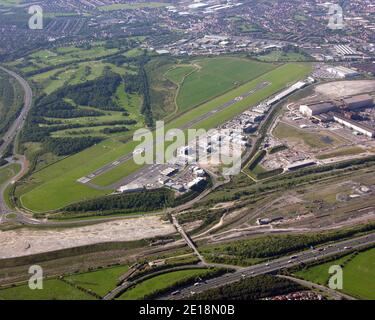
[342, 72]
[359, 101]
[354, 125]
[314, 109]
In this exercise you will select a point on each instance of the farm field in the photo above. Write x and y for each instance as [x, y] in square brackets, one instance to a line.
[358, 274]
[213, 77]
[160, 282]
[100, 281]
[53, 289]
[57, 183]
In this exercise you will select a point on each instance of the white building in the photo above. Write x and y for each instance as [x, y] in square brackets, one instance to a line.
[195, 182]
[314, 109]
[342, 72]
[131, 187]
[354, 125]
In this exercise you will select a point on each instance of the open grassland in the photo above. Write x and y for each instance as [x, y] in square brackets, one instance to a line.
[341, 152]
[161, 282]
[53, 289]
[8, 172]
[177, 74]
[101, 281]
[215, 76]
[56, 186]
[358, 274]
[314, 140]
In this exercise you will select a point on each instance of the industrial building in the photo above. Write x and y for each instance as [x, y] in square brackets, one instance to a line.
[131, 187]
[359, 101]
[295, 87]
[317, 108]
[354, 125]
[342, 72]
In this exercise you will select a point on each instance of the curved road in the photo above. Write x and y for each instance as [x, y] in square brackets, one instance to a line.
[11, 135]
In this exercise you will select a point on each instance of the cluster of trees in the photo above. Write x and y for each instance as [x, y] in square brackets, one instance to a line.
[3, 162]
[253, 288]
[97, 93]
[139, 84]
[277, 149]
[114, 130]
[147, 200]
[65, 146]
[257, 159]
[55, 106]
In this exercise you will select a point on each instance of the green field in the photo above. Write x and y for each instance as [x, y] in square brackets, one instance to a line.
[56, 186]
[160, 282]
[8, 172]
[358, 274]
[178, 73]
[101, 281]
[314, 140]
[53, 289]
[215, 76]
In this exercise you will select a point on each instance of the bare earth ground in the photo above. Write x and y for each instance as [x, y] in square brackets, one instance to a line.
[340, 89]
[15, 243]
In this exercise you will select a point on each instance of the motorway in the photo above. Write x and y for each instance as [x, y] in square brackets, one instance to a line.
[18, 123]
[11, 135]
[147, 169]
[276, 265]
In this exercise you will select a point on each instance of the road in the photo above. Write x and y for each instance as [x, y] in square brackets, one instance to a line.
[276, 265]
[187, 239]
[18, 123]
[11, 135]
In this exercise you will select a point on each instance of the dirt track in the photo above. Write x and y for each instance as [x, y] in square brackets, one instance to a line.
[339, 89]
[23, 242]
